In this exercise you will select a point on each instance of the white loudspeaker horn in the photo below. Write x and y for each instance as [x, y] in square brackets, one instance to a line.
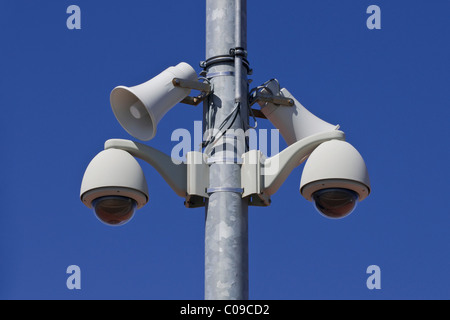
[139, 109]
[295, 122]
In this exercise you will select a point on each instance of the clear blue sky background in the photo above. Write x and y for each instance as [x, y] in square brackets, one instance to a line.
[388, 89]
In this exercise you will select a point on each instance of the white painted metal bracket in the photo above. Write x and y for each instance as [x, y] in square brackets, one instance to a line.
[197, 179]
[189, 180]
[174, 174]
[262, 177]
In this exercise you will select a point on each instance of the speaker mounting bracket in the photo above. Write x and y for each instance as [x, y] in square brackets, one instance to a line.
[204, 88]
[260, 97]
[281, 101]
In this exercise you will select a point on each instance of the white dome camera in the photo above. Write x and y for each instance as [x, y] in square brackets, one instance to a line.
[335, 178]
[114, 186]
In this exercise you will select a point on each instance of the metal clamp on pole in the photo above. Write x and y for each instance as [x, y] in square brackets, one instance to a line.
[219, 74]
[238, 52]
[224, 189]
[224, 58]
[204, 88]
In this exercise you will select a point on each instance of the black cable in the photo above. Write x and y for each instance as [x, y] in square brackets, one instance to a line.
[234, 112]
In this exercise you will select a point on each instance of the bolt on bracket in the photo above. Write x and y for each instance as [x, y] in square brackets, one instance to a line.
[282, 101]
[264, 98]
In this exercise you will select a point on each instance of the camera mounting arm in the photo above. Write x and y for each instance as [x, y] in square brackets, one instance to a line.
[174, 174]
[263, 177]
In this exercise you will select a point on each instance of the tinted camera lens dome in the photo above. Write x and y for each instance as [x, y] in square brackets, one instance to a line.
[114, 211]
[335, 203]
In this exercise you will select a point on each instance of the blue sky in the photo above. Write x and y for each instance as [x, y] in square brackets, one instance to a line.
[388, 90]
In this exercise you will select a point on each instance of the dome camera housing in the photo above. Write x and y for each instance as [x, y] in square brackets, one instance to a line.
[114, 186]
[335, 178]
[114, 210]
[335, 203]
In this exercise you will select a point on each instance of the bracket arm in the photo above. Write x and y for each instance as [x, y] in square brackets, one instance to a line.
[276, 169]
[189, 84]
[174, 174]
[204, 88]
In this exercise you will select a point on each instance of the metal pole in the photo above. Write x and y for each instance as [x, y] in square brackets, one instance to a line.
[226, 225]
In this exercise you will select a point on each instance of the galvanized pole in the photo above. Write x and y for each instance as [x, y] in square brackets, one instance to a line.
[226, 226]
